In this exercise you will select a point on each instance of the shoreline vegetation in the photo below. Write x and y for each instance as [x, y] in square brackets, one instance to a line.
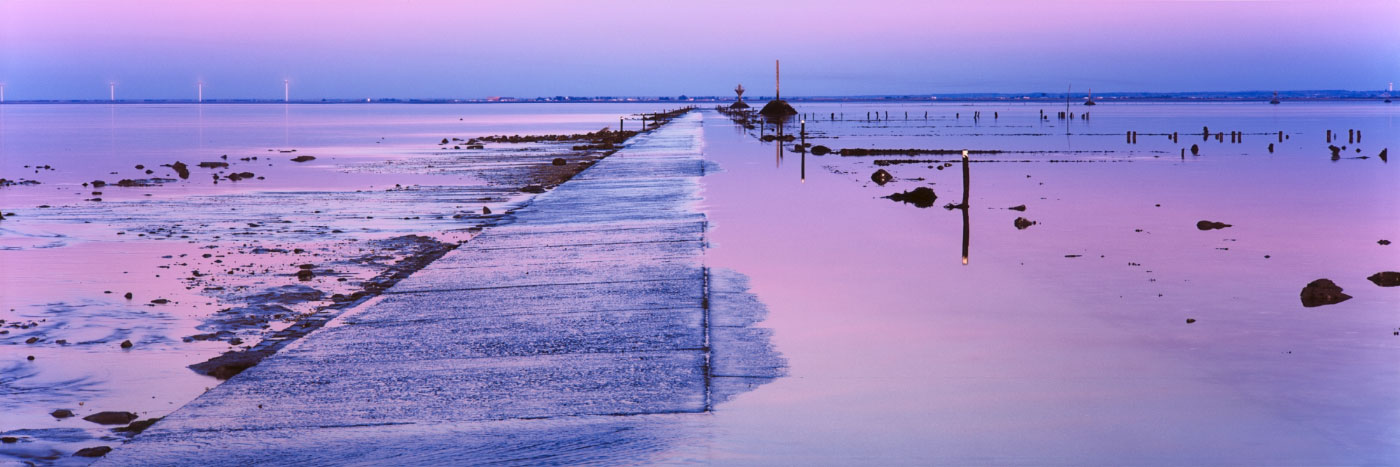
[1328, 95]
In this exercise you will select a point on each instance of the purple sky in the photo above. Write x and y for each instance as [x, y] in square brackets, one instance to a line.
[62, 49]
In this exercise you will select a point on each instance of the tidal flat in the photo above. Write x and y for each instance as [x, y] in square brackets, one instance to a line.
[1068, 310]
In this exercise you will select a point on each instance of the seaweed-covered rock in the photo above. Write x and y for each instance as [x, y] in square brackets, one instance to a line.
[1022, 223]
[1322, 292]
[111, 418]
[303, 158]
[922, 197]
[820, 150]
[1385, 278]
[1211, 225]
[97, 451]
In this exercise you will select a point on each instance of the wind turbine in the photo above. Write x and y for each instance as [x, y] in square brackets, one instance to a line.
[2, 93]
[201, 91]
[112, 91]
[286, 91]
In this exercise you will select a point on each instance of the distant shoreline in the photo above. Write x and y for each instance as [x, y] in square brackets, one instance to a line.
[1111, 97]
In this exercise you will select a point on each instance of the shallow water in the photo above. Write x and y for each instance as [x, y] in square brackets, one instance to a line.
[220, 255]
[901, 353]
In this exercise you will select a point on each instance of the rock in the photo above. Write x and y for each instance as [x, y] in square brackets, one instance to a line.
[1022, 223]
[820, 150]
[1322, 292]
[533, 189]
[303, 159]
[922, 197]
[31, 340]
[881, 177]
[160, 301]
[485, 210]
[1211, 225]
[1021, 208]
[1383, 242]
[213, 165]
[305, 274]
[1336, 151]
[137, 426]
[444, 141]
[61, 413]
[128, 295]
[769, 137]
[126, 344]
[1195, 150]
[180, 169]
[1385, 278]
[111, 418]
[1383, 155]
[1190, 320]
[9, 440]
[98, 183]
[97, 451]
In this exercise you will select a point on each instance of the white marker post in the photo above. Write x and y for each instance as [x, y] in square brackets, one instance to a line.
[286, 91]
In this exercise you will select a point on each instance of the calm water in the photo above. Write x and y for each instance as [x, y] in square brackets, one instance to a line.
[900, 353]
[1063, 343]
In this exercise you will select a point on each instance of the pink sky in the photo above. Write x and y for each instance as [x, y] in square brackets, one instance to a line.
[349, 49]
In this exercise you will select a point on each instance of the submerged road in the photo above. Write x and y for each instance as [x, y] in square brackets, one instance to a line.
[585, 329]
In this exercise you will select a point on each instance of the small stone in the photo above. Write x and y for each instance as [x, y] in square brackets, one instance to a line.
[1022, 223]
[559, 161]
[305, 274]
[922, 197]
[1211, 225]
[1383, 242]
[97, 451]
[485, 210]
[61, 413]
[881, 177]
[820, 150]
[1190, 320]
[111, 418]
[303, 159]
[128, 295]
[126, 344]
[9, 440]
[1021, 208]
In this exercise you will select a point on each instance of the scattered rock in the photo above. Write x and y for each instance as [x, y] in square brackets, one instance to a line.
[559, 161]
[820, 150]
[305, 274]
[180, 169]
[160, 301]
[61, 413]
[922, 197]
[1322, 292]
[9, 440]
[1211, 225]
[213, 165]
[485, 210]
[126, 344]
[303, 159]
[137, 426]
[1190, 320]
[97, 451]
[1021, 208]
[1383, 155]
[1336, 151]
[1022, 223]
[128, 295]
[1383, 242]
[111, 418]
[1195, 150]
[1385, 278]
[881, 177]
[533, 189]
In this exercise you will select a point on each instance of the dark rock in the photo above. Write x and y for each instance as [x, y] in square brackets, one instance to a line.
[180, 169]
[137, 426]
[1385, 278]
[485, 210]
[1211, 225]
[303, 159]
[31, 340]
[1383, 155]
[1190, 320]
[1022, 223]
[97, 451]
[128, 295]
[820, 150]
[769, 138]
[922, 197]
[213, 165]
[98, 183]
[1195, 150]
[9, 440]
[305, 275]
[1383, 242]
[61, 413]
[111, 418]
[881, 177]
[559, 161]
[1322, 292]
[160, 301]
[1021, 208]
[533, 189]
[126, 344]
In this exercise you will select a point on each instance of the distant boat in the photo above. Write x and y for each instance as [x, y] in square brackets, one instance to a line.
[1090, 100]
[1275, 100]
